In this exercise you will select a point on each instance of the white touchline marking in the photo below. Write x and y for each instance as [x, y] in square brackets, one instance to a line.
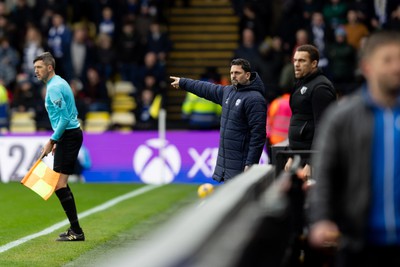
[65, 222]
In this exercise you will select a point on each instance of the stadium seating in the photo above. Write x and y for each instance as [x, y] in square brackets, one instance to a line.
[123, 120]
[97, 121]
[22, 122]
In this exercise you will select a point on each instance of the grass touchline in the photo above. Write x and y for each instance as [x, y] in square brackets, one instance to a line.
[65, 222]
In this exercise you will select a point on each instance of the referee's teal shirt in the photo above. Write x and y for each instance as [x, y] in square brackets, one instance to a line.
[60, 105]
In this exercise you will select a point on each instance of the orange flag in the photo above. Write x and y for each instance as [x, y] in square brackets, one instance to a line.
[41, 179]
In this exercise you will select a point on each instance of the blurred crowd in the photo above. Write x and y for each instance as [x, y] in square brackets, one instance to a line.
[271, 30]
[98, 41]
[93, 42]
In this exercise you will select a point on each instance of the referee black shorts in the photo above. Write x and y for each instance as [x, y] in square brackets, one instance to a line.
[67, 151]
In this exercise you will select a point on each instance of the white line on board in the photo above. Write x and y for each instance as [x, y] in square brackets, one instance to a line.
[65, 222]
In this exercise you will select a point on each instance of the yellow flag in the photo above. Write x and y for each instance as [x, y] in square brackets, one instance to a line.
[41, 179]
[155, 106]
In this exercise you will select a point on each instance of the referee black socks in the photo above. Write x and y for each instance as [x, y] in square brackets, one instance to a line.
[68, 203]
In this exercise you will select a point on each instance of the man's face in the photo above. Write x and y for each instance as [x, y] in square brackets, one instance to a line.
[382, 69]
[41, 70]
[303, 64]
[238, 75]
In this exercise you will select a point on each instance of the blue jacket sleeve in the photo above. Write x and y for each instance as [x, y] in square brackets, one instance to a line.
[207, 90]
[256, 112]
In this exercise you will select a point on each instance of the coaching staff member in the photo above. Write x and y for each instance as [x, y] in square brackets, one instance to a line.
[243, 118]
[66, 140]
[312, 94]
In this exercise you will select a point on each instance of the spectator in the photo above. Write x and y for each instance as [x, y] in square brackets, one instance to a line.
[248, 49]
[320, 35]
[362, 9]
[33, 46]
[44, 9]
[59, 40]
[355, 30]
[253, 19]
[131, 8]
[45, 20]
[107, 24]
[105, 56]
[354, 205]
[273, 58]
[95, 91]
[20, 15]
[343, 62]
[394, 21]
[288, 18]
[309, 8]
[25, 95]
[152, 67]
[150, 82]
[302, 38]
[335, 13]
[91, 10]
[158, 42]
[143, 21]
[144, 120]
[9, 61]
[131, 52]
[201, 113]
[80, 53]
[380, 12]
[8, 30]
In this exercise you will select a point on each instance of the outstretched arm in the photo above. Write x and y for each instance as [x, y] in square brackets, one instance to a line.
[207, 90]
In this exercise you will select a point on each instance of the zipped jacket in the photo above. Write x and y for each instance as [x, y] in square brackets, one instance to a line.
[242, 126]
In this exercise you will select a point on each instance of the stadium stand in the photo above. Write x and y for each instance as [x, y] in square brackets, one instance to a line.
[97, 121]
[186, 36]
[204, 34]
[22, 122]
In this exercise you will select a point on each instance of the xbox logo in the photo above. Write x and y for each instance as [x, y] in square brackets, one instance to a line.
[151, 167]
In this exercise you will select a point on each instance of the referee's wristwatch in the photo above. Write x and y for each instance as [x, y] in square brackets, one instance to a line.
[53, 142]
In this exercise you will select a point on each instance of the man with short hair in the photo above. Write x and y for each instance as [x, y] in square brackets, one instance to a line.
[354, 205]
[313, 93]
[242, 127]
[66, 140]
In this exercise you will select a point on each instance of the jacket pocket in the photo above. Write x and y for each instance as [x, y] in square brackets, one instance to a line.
[302, 129]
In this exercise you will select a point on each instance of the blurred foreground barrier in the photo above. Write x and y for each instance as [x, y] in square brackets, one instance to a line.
[245, 222]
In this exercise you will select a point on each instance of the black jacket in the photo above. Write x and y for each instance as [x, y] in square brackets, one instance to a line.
[310, 98]
[243, 119]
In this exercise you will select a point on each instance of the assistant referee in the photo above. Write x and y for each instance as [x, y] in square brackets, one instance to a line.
[66, 140]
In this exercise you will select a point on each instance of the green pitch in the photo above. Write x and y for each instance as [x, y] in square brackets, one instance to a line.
[24, 213]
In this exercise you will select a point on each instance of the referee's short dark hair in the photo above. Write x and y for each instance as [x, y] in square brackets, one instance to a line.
[242, 62]
[311, 50]
[47, 58]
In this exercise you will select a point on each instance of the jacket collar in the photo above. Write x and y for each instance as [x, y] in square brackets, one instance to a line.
[366, 94]
[308, 77]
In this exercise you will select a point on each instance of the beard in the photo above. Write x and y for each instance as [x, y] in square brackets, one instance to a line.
[234, 82]
[390, 87]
